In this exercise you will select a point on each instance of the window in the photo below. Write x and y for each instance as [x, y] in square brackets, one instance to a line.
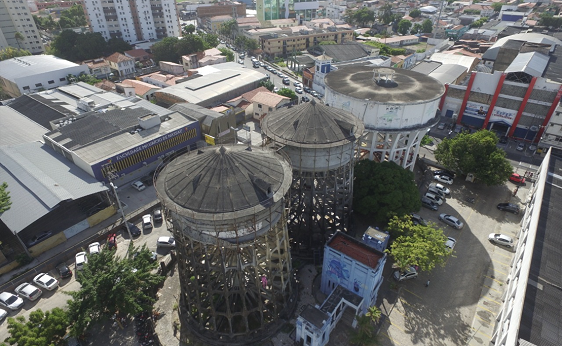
[38, 85]
[26, 88]
[51, 82]
[62, 79]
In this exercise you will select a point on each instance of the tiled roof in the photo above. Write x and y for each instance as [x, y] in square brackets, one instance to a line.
[106, 85]
[118, 57]
[141, 88]
[268, 98]
[137, 53]
[95, 63]
[250, 94]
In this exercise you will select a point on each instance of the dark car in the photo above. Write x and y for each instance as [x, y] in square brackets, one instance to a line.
[112, 241]
[444, 172]
[510, 207]
[135, 231]
[157, 215]
[503, 139]
[307, 89]
[39, 238]
[427, 203]
[418, 220]
[305, 99]
[64, 271]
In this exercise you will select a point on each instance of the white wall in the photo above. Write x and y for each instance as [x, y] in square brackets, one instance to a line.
[486, 82]
[44, 79]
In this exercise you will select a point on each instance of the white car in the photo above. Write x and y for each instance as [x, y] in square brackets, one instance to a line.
[441, 188]
[297, 84]
[10, 300]
[451, 221]
[81, 259]
[450, 243]
[443, 179]
[28, 291]
[46, 281]
[94, 248]
[520, 146]
[410, 273]
[275, 89]
[500, 239]
[298, 90]
[3, 314]
[166, 242]
[138, 185]
[147, 221]
[434, 198]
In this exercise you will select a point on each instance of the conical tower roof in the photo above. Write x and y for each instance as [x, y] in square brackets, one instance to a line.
[311, 125]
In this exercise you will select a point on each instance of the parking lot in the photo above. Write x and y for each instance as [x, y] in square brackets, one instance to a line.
[460, 303]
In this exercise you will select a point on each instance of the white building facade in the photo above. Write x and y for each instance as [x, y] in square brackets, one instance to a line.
[133, 21]
[15, 17]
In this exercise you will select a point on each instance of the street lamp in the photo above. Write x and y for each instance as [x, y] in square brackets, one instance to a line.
[121, 208]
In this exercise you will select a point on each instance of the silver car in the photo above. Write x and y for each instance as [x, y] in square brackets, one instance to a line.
[500, 239]
[10, 300]
[451, 221]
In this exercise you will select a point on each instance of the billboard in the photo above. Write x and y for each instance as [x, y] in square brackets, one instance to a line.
[477, 110]
[503, 115]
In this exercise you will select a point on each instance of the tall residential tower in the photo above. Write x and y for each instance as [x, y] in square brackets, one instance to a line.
[15, 17]
[133, 20]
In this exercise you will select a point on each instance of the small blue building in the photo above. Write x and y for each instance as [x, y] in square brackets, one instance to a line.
[351, 277]
[376, 239]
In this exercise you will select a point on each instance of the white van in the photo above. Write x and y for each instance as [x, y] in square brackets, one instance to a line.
[434, 198]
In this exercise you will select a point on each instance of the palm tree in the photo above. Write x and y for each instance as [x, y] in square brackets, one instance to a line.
[19, 37]
[374, 313]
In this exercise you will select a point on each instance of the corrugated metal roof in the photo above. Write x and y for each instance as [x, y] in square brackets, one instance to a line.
[532, 63]
[448, 73]
[25, 66]
[38, 180]
[492, 52]
[17, 128]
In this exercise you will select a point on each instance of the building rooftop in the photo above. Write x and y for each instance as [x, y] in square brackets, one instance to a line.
[141, 88]
[406, 86]
[313, 125]
[18, 129]
[533, 37]
[136, 53]
[343, 52]
[355, 249]
[25, 66]
[315, 316]
[95, 63]
[223, 179]
[40, 179]
[118, 57]
[448, 73]
[268, 98]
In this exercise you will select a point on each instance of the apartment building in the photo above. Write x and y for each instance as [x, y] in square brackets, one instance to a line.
[224, 8]
[276, 9]
[300, 38]
[133, 21]
[15, 17]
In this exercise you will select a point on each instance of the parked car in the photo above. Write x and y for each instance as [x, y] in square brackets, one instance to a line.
[275, 89]
[435, 191]
[166, 242]
[94, 248]
[315, 94]
[429, 204]
[28, 291]
[135, 231]
[418, 220]
[448, 173]
[11, 301]
[112, 241]
[503, 139]
[441, 126]
[256, 65]
[147, 221]
[450, 243]
[520, 146]
[157, 215]
[510, 207]
[138, 185]
[39, 238]
[440, 187]
[64, 271]
[305, 99]
[451, 221]
[3, 314]
[532, 147]
[81, 260]
[500, 239]
[298, 90]
[409, 273]
[443, 179]
[516, 178]
[286, 81]
[306, 89]
[434, 198]
[46, 281]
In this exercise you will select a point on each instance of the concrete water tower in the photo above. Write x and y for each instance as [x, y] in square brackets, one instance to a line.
[227, 206]
[322, 144]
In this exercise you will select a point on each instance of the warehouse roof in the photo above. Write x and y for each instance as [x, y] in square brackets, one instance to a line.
[25, 66]
[39, 179]
[532, 63]
[403, 86]
[312, 125]
[532, 37]
[18, 129]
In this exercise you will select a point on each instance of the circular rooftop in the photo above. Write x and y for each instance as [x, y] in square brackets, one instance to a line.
[312, 125]
[378, 84]
[222, 179]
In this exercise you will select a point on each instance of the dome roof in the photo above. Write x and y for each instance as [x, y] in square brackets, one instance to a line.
[312, 124]
[222, 179]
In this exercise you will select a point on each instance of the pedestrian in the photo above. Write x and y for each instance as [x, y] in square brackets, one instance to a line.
[427, 283]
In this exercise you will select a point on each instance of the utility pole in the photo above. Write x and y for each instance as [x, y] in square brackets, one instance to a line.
[111, 176]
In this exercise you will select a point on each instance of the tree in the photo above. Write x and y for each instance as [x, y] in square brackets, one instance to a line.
[73, 17]
[364, 334]
[189, 44]
[415, 13]
[5, 202]
[89, 45]
[116, 44]
[479, 22]
[63, 45]
[210, 40]
[166, 50]
[87, 78]
[387, 16]
[229, 28]
[188, 29]
[288, 93]
[42, 329]
[228, 53]
[547, 19]
[110, 284]
[417, 29]
[404, 26]
[363, 16]
[11, 52]
[424, 246]
[268, 84]
[400, 226]
[19, 38]
[383, 188]
[497, 6]
[475, 153]
[374, 314]
[427, 26]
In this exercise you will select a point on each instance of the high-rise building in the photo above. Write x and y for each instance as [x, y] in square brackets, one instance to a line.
[133, 20]
[283, 9]
[15, 18]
